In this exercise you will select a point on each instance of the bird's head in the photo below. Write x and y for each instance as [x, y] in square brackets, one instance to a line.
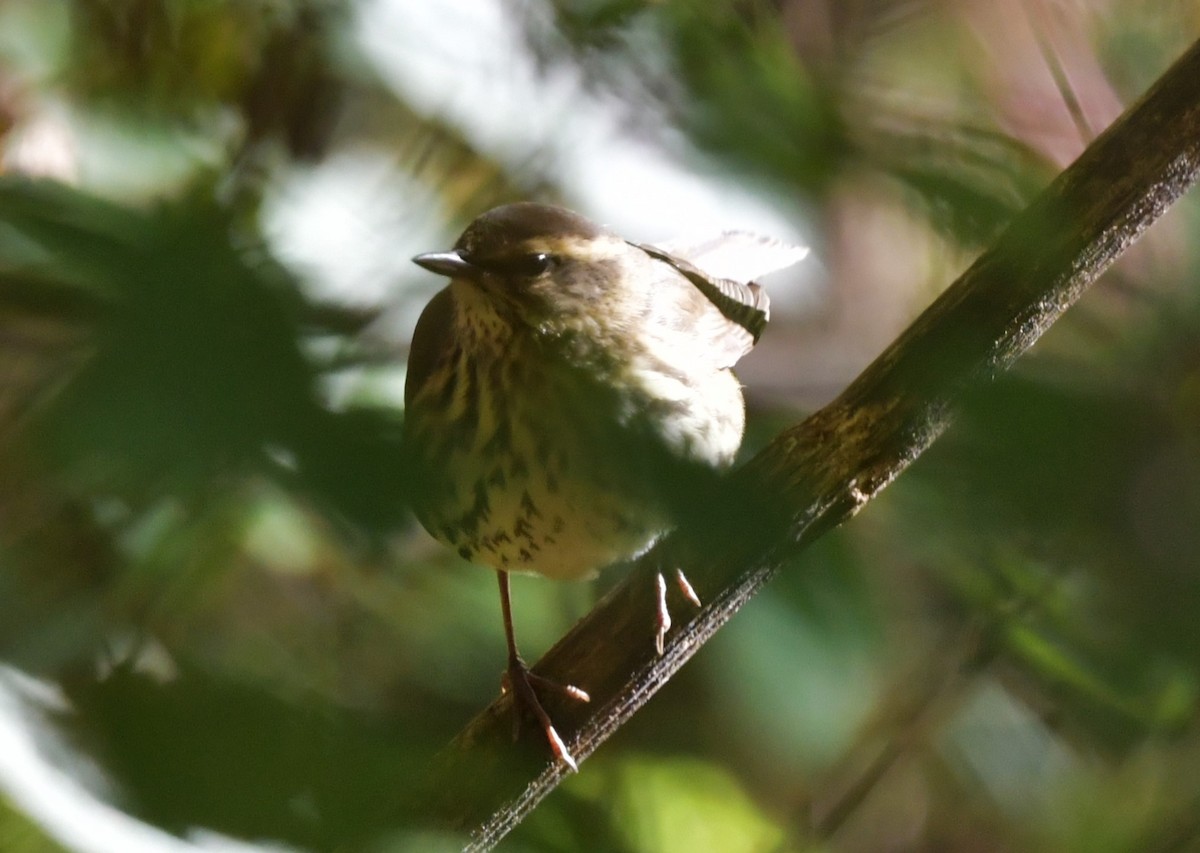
[530, 262]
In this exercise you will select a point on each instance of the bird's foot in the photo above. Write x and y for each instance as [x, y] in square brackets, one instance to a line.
[524, 685]
[662, 622]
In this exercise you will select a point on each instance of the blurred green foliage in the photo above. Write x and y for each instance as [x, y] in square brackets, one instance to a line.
[203, 537]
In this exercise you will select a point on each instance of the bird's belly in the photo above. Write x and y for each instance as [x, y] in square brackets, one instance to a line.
[562, 488]
[546, 519]
[566, 532]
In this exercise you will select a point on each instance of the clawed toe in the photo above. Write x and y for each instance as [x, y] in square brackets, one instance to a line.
[523, 685]
[662, 621]
[685, 587]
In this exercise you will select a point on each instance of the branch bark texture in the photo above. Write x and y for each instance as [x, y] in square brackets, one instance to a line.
[820, 472]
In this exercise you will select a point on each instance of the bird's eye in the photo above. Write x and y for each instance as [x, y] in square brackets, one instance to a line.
[532, 265]
[522, 266]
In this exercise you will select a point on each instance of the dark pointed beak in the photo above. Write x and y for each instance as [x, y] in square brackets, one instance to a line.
[447, 263]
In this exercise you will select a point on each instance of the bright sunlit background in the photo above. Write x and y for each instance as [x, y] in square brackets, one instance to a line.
[221, 631]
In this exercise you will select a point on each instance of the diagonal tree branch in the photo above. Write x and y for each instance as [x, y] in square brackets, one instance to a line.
[820, 472]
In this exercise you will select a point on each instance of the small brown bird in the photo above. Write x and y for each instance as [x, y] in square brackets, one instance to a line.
[569, 396]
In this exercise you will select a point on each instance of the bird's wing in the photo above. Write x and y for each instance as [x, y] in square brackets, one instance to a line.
[722, 269]
[735, 255]
[430, 338]
[746, 304]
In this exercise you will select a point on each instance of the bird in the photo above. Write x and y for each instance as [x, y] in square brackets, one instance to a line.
[569, 398]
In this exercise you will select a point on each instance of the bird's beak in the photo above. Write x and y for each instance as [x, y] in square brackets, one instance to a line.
[447, 263]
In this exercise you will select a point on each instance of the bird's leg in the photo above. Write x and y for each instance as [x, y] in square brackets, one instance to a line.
[662, 622]
[521, 683]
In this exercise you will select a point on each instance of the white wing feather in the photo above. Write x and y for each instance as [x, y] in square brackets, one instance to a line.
[735, 255]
